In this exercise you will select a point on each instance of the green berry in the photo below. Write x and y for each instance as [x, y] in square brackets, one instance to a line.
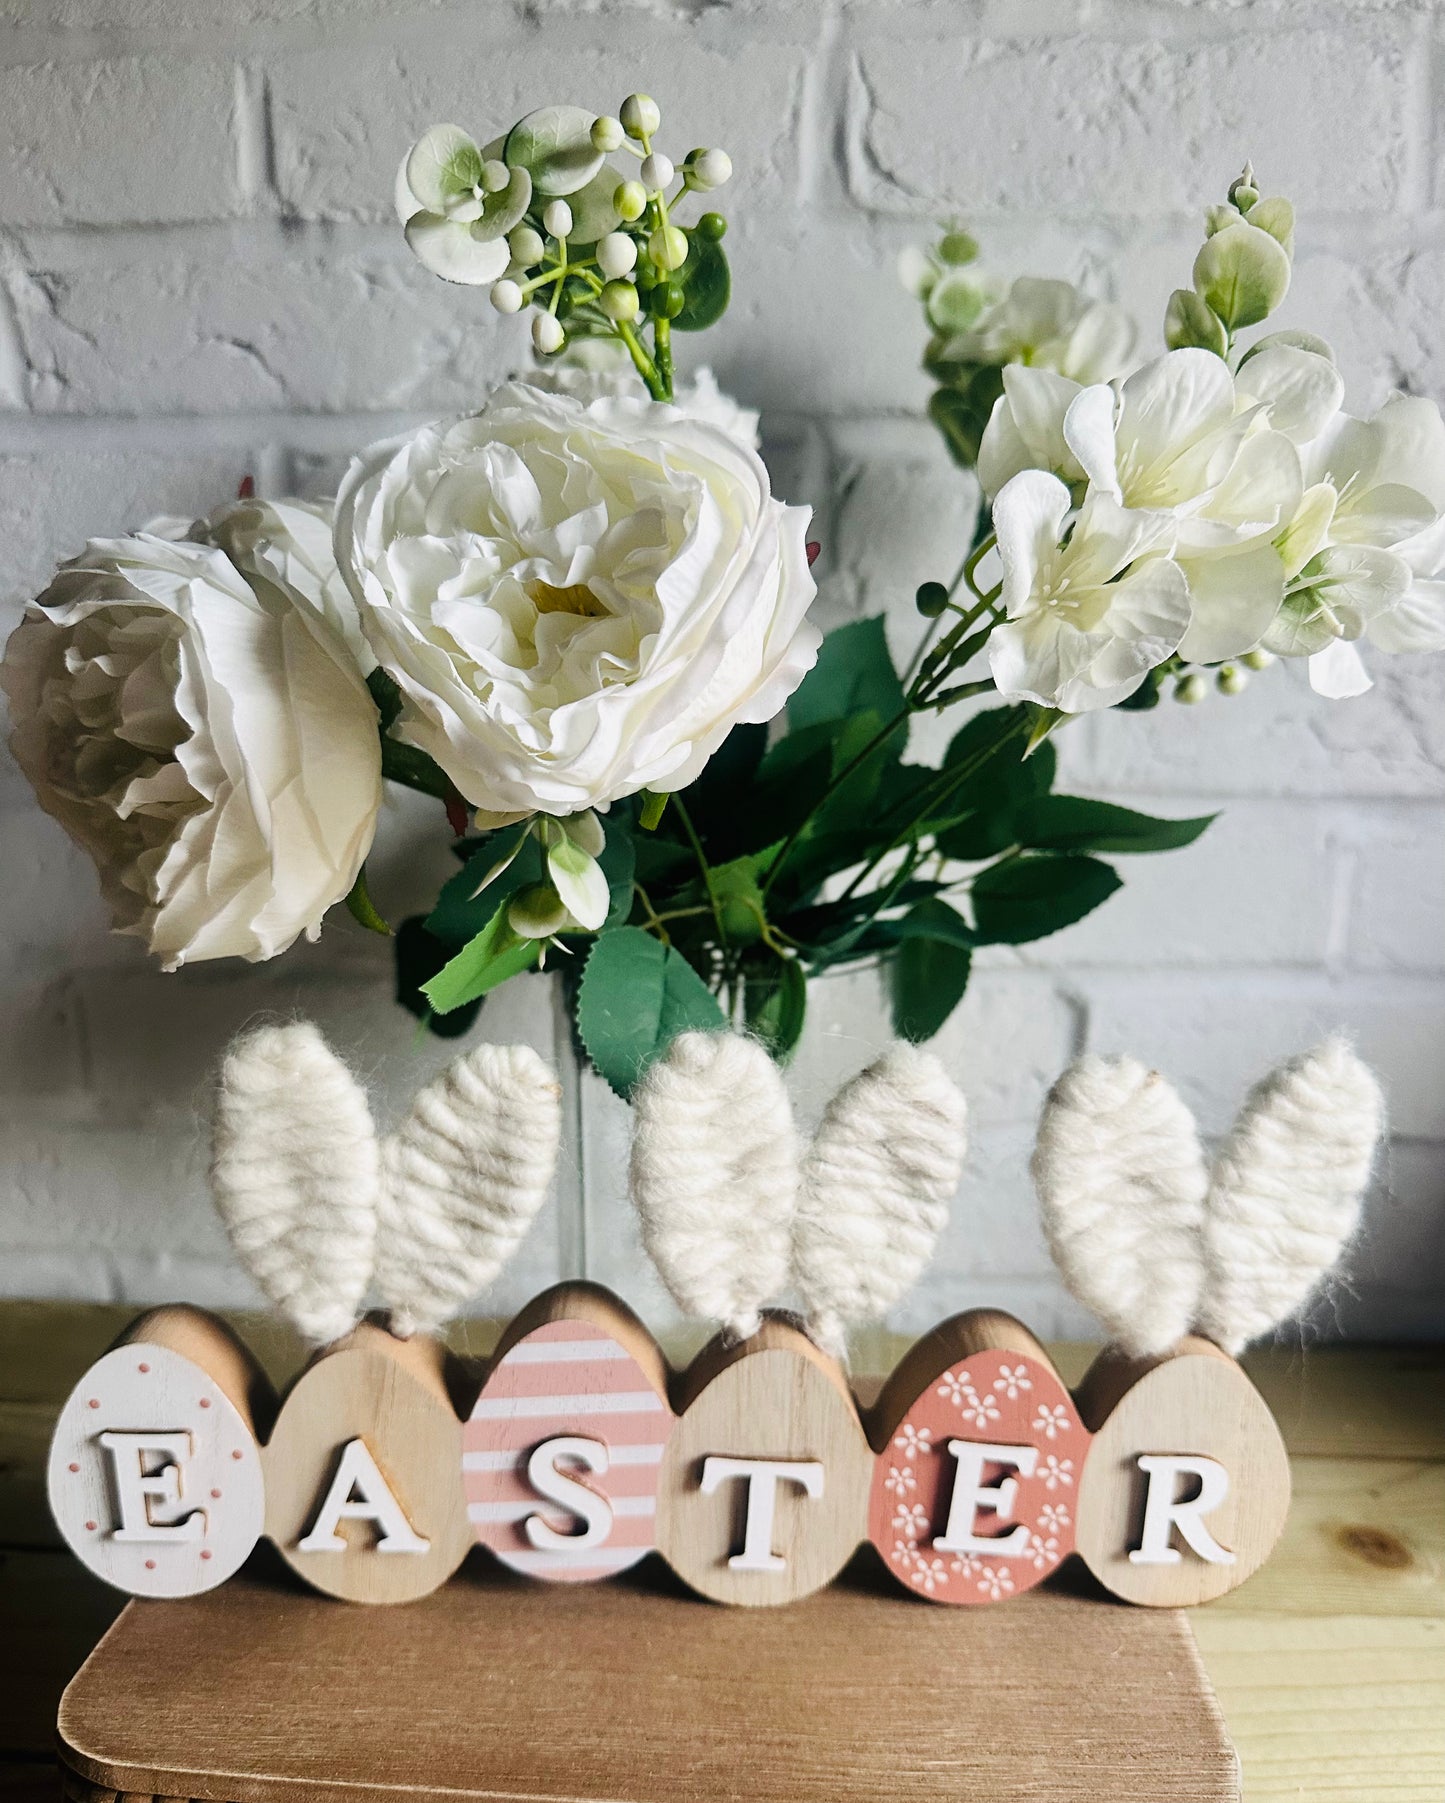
[712, 226]
[931, 599]
[618, 300]
[1191, 689]
[630, 200]
[957, 247]
[1231, 680]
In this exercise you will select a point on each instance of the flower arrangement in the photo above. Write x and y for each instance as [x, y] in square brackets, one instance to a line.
[577, 618]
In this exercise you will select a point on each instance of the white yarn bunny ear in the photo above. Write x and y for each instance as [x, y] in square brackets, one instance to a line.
[294, 1173]
[875, 1191]
[715, 1176]
[1287, 1188]
[463, 1177]
[1122, 1182]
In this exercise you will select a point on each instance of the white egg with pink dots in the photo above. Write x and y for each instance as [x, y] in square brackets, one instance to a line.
[155, 1479]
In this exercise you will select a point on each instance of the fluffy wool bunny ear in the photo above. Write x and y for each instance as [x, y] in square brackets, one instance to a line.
[1286, 1192]
[463, 1177]
[715, 1176]
[1122, 1180]
[875, 1192]
[294, 1174]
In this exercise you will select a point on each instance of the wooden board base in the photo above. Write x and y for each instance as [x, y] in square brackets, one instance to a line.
[634, 1691]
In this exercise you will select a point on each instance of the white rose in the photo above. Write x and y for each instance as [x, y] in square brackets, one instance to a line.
[577, 602]
[209, 741]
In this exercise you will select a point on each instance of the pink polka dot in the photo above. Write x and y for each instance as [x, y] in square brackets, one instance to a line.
[237, 1454]
[216, 1494]
[72, 1466]
[143, 1366]
[205, 1552]
[205, 1402]
[150, 1564]
[90, 1527]
[94, 1403]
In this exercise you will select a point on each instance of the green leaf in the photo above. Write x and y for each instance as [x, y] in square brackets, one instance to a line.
[387, 696]
[984, 806]
[707, 285]
[418, 958]
[1029, 897]
[854, 672]
[775, 1003]
[594, 214]
[1072, 823]
[1243, 274]
[362, 909]
[740, 897]
[1190, 322]
[554, 145]
[928, 974]
[494, 955]
[636, 996]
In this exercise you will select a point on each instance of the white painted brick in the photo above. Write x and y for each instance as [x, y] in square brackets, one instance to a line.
[1126, 124]
[1397, 888]
[345, 114]
[1214, 1034]
[1278, 738]
[129, 139]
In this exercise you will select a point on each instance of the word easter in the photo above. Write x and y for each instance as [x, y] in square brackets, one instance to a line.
[755, 1472]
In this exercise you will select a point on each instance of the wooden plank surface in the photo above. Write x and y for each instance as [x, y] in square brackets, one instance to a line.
[636, 1692]
[1351, 1605]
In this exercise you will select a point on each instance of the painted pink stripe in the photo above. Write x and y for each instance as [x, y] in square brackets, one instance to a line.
[601, 1376]
[620, 1430]
[505, 1486]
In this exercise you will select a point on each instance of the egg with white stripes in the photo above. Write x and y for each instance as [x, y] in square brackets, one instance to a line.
[562, 1453]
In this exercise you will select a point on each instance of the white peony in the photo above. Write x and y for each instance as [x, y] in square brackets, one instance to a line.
[577, 602]
[207, 739]
[590, 377]
[1087, 619]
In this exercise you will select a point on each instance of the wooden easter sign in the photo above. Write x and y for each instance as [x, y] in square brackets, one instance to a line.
[755, 1472]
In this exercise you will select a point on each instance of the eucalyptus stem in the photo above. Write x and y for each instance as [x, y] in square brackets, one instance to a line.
[662, 350]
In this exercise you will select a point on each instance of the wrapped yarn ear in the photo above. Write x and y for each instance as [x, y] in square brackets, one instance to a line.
[463, 1178]
[715, 1176]
[1121, 1180]
[294, 1173]
[876, 1187]
[1286, 1192]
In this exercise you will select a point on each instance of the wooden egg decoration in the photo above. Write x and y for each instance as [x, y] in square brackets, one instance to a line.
[363, 1473]
[562, 1452]
[1187, 1485]
[155, 1475]
[980, 1453]
[764, 1489]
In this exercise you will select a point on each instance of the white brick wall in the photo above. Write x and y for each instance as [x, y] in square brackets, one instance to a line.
[199, 277]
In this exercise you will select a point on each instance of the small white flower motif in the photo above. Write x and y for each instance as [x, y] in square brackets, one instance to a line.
[1052, 1517]
[1013, 1380]
[1051, 1421]
[915, 1440]
[1056, 1473]
[965, 1565]
[929, 1574]
[900, 1480]
[957, 1387]
[980, 1410]
[910, 1520]
[1043, 1553]
[903, 1553]
[996, 1582]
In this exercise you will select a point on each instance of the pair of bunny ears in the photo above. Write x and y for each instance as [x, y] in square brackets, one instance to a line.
[322, 1210]
[1157, 1241]
[736, 1211]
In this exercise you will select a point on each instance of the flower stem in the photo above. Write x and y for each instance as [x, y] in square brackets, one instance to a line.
[662, 347]
[687, 826]
[645, 367]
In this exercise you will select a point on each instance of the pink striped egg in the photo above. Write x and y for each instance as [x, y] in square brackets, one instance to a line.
[561, 1455]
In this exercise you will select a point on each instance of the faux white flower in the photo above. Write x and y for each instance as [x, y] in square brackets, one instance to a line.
[1046, 325]
[1025, 431]
[209, 741]
[1087, 619]
[1364, 551]
[577, 602]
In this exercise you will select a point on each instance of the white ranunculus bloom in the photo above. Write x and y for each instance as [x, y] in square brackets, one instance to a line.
[577, 602]
[1087, 620]
[1047, 325]
[208, 740]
